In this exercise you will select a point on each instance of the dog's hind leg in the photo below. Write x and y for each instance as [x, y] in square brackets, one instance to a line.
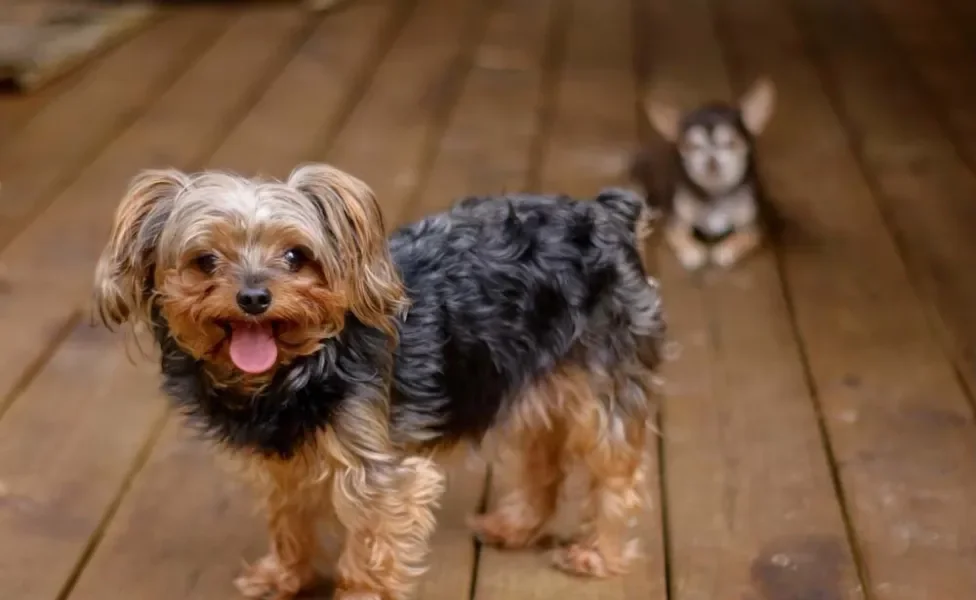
[607, 436]
[528, 461]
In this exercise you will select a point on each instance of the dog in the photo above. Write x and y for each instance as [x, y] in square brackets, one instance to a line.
[338, 364]
[711, 196]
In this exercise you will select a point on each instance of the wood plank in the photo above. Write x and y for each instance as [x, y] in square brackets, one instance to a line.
[64, 454]
[899, 425]
[941, 58]
[338, 62]
[98, 439]
[752, 511]
[209, 531]
[487, 144]
[55, 146]
[47, 270]
[40, 41]
[592, 132]
[926, 187]
[390, 137]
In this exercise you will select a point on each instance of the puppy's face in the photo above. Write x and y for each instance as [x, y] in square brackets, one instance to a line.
[714, 149]
[715, 142]
[249, 274]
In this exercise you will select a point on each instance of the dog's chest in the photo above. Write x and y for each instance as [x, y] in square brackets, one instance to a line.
[717, 215]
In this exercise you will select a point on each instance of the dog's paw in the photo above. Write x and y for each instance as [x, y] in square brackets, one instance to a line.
[341, 594]
[268, 580]
[692, 257]
[586, 561]
[499, 530]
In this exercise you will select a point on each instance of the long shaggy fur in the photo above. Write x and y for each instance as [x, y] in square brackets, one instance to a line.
[528, 318]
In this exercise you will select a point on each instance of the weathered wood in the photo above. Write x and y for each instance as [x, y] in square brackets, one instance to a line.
[914, 129]
[899, 424]
[751, 507]
[41, 40]
[313, 97]
[65, 450]
[63, 138]
[391, 135]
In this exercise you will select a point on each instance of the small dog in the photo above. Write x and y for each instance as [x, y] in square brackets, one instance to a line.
[337, 363]
[712, 197]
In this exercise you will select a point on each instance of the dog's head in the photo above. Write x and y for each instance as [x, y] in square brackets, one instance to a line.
[715, 142]
[249, 274]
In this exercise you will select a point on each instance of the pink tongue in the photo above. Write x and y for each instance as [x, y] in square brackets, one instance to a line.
[253, 348]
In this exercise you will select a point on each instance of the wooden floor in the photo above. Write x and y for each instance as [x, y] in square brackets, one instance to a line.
[818, 438]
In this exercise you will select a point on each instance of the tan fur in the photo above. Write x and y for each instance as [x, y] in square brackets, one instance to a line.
[574, 417]
[381, 499]
[757, 105]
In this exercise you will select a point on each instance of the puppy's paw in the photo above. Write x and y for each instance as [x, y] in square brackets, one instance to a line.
[268, 579]
[692, 256]
[725, 255]
[500, 530]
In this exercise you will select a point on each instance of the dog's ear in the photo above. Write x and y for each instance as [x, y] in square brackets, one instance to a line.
[123, 277]
[357, 236]
[756, 105]
[665, 119]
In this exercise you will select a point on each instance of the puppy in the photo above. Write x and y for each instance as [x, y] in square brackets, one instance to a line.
[336, 363]
[711, 195]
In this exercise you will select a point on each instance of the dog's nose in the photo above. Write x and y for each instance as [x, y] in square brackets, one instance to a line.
[254, 301]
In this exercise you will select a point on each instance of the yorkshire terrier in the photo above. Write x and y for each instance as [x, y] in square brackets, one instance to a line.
[338, 363]
[710, 191]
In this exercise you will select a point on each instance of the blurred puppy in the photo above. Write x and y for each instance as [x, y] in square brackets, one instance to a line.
[336, 362]
[711, 195]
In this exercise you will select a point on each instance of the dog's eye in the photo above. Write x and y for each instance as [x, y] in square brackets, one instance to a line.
[206, 263]
[295, 258]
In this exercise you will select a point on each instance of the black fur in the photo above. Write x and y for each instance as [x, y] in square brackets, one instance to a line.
[502, 289]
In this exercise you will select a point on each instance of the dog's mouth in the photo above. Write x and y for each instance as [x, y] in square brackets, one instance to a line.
[252, 345]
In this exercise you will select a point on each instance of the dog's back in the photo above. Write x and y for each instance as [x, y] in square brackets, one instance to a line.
[507, 290]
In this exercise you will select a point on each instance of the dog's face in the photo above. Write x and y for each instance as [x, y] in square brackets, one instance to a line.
[249, 274]
[715, 142]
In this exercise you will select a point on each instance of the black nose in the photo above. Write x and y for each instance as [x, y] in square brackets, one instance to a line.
[254, 301]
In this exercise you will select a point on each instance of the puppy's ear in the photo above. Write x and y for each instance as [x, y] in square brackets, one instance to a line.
[123, 275]
[665, 118]
[359, 249]
[757, 104]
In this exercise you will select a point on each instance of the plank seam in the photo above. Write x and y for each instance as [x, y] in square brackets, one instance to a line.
[857, 552]
[472, 34]
[930, 305]
[11, 229]
[387, 37]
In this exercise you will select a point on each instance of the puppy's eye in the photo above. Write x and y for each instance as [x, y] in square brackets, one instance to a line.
[206, 263]
[295, 258]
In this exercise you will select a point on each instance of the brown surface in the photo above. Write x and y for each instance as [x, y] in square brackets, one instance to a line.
[751, 504]
[899, 424]
[40, 40]
[861, 329]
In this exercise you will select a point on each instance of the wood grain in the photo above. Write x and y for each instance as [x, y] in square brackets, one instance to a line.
[899, 425]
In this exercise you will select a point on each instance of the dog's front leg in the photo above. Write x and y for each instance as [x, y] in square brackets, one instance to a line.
[293, 505]
[387, 512]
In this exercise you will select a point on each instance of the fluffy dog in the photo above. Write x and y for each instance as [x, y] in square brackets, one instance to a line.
[336, 362]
